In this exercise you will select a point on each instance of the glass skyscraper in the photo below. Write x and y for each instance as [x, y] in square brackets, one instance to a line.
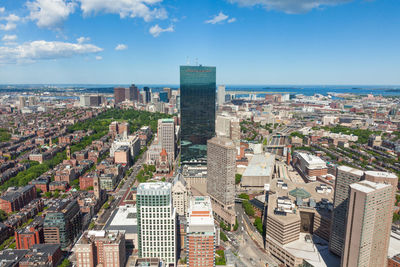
[198, 87]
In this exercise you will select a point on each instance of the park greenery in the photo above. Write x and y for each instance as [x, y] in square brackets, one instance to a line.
[220, 257]
[244, 196]
[363, 135]
[4, 135]
[236, 226]
[99, 125]
[258, 224]
[224, 226]
[297, 134]
[145, 173]
[238, 178]
[223, 237]
[65, 263]
[248, 208]
[3, 216]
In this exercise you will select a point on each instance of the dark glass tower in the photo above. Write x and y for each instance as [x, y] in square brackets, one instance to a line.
[197, 100]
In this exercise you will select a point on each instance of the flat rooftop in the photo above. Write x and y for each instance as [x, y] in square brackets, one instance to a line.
[154, 188]
[260, 165]
[315, 252]
[382, 174]
[394, 244]
[368, 186]
[123, 218]
[351, 170]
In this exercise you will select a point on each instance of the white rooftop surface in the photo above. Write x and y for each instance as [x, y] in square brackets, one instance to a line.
[351, 170]
[368, 186]
[311, 159]
[260, 165]
[154, 188]
[394, 244]
[121, 217]
[382, 174]
[200, 204]
[317, 255]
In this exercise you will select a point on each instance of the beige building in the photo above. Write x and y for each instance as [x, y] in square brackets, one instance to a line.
[368, 225]
[180, 195]
[229, 127]
[166, 136]
[259, 171]
[221, 169]
[101, 248]
[345, 176]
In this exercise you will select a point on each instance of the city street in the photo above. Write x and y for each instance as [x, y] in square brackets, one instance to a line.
[249, 252]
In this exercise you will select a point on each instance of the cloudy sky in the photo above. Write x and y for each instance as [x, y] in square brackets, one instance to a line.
[249, 41]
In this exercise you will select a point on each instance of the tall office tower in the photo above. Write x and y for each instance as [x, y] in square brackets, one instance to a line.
[345, 176]
[156, 219]
[166, 136]
[201, 233]
[169, 92]
[368, 224]
[32, 100]
[134, 93]
[22, 102]
[142, 97]
[228, 126]
[197, 110]
[221, 169]
[148, 94]
[163, 97]
[129, 93]
[63, 223]
[180, 194]
[119, 95]
[101, 248]
[221, 95]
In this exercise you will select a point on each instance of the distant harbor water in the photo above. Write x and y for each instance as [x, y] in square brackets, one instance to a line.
[307, 90]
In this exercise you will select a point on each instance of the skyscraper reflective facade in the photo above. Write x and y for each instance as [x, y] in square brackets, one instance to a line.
[198, 87]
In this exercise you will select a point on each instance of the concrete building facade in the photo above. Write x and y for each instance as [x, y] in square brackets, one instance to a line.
[221, 169]
[368, 225]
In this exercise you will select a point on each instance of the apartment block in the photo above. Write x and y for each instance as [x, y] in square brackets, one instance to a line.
[368, 224]
[201, 233]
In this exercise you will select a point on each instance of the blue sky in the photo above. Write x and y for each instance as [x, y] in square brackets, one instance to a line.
[249, 41]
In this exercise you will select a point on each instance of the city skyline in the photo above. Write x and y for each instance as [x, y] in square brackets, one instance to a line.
[308, 42]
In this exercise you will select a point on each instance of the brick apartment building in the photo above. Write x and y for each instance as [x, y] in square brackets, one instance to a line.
[16, 198]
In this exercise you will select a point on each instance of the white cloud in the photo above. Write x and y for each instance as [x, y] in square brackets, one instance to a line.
[10, 22]
[44, 50]
[9, 38]
[220, 18]
[125, 8]
[121, 47]
[290, 6]
[217, 18]
[2, 9]
[8, 26]
[157, 30]
[99, 57]
[83, 39]
[50, 13]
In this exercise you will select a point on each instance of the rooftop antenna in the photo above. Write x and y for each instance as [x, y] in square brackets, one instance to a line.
[187, 60]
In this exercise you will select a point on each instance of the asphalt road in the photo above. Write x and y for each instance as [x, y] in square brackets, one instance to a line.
[249, 252]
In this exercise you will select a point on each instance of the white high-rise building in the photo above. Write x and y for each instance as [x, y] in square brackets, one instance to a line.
[166, 136]
[156, 219]
[221, 95]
